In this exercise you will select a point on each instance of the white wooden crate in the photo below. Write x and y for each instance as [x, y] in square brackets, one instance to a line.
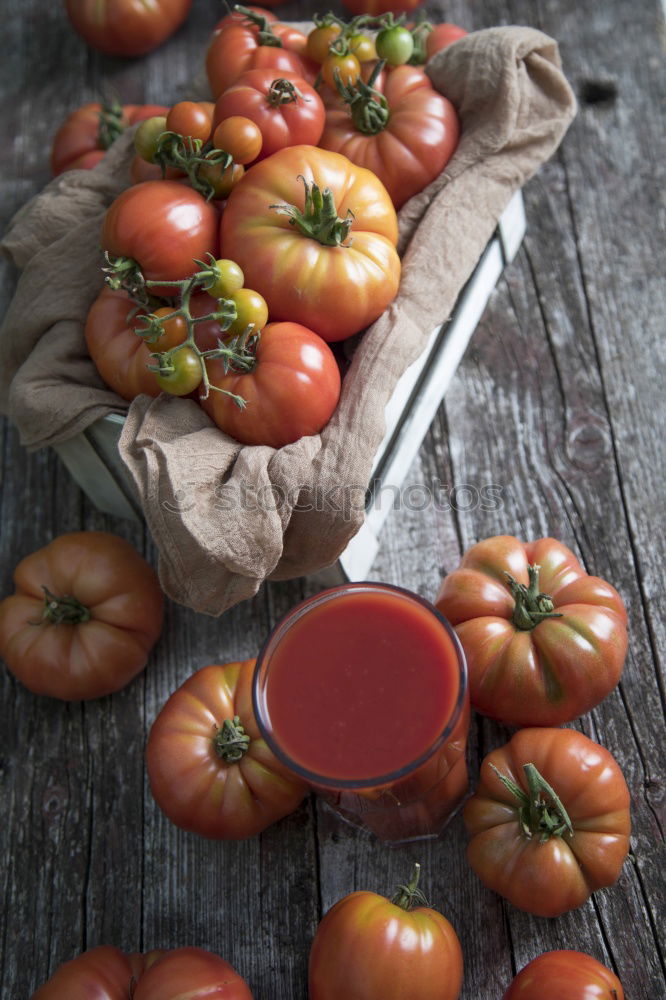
[93, 460]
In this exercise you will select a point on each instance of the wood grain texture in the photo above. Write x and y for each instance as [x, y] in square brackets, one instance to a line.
[554, 424]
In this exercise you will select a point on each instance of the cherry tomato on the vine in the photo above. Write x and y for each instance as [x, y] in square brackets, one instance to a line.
[147, 135]
[223, 179]
[230, 279]
[319, 41]
[363, 47]
[190, 119]
[347, 66]
[251, 308]
[240, 137]
[183, 375]
[395, 45]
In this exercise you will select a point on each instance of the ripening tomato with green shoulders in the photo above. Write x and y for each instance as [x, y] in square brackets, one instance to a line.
[565, 975]
[316, 236]
[106, 973]
[544, 642]
[369, 947]
[126, 27]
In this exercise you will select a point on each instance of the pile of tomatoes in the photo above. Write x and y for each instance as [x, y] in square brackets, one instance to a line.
[261, 227]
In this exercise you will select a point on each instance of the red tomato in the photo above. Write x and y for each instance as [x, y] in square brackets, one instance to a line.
[412, 139]
[441, 36]
[335, 290]
[546, 848]
[82, 139]
[375, 7]
[527, 667]
[287, 110]
[164, 226]
[121, 356]
[141, 171]
[565, 975]
[209, 769]
[368, 947]
[238, 46]
[86, 613]
[188, 118]
[240, 137]
[291, 393]
[126, 27]
[105, 973]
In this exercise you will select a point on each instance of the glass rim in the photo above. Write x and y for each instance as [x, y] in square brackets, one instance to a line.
[259, 700]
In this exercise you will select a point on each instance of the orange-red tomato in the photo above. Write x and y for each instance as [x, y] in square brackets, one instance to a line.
[86, 613]
[81, 141]
[441, 36]
[164, 226]
[345, 66]
[141, 170]
[236, 48]
[122, 357]
[210, 770]
[413, 141]
[335, 290]
[240, 137]
[547, 848]
[286, 109]
[106, 973]
[291, 393]
[319, 41]
[126, 27]
[544, 642]
[189, 118]
[368, 947]
[565, 975]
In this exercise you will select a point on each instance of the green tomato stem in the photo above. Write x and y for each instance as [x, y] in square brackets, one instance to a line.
[368, 107]
[319, 219]
[406, 895]
[541, 811]
[532, 607]
[265, 35]
[111, 123]
[231, 742]
[63, 610]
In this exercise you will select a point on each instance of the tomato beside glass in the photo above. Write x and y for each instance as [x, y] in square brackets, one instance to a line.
[565, 975]
[291, 393]
[334, 290]
[209, 769]
[106, 973]
[126, 27]
[543, 649]
[368, 947]
[86, 612]
[532, 856]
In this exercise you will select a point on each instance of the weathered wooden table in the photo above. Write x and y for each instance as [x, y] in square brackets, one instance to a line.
[558, 404]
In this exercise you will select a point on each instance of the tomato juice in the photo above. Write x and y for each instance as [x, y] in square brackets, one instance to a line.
[362, 691]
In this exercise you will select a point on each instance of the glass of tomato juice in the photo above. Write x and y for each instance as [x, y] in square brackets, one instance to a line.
[362, 692]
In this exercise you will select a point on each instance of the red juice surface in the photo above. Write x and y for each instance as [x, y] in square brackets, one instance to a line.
[361, 685]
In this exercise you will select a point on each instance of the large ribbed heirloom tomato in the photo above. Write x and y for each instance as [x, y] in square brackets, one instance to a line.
[86, 134]
[316, 236]
[370, 948]
[544, 641]
[106, 973]
[210, 770]
[126, 27]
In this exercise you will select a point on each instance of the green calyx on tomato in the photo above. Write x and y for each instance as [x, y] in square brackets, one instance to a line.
[190, 156]
[532, 606]
[231, 742]
[406, 896]
[419, 33]
[63, 610]
[368, 107]
[265, 34]
[319, 219]
[541, 811]
[111, 123]
[284, 92]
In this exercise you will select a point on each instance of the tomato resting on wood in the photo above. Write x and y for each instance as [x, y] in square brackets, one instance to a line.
[210, 771]
[86, 613]
[371, 948]
[544, 641]
[315, 235]
[106, 973]
[565, 975]
[549, 822]
[126, 27]
[86, 134]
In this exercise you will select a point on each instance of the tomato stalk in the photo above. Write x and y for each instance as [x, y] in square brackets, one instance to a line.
[63, 610]
[111, 123]
[368, 107]
[284, 92]
[231, 742]
[406, 895]
[265, 34]
[319, 218]
[420, 33]
[532, 606]
[541, 810]
[190, 155]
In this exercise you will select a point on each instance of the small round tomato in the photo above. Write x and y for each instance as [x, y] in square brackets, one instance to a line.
[240, 137]
[320, 40]
[544, 642]
[209, 769]
[565, 975]
[164, 226]
[106, 973]
[346, 66]
[147, 136]
[368, 947]
[231, 279]
[441, 36]
[180, 373]
[124, 27]
[222, 179]
[549, 822]
[251, 309]
[190, 119]
[363, 47]
[395, 45]
[86, 613]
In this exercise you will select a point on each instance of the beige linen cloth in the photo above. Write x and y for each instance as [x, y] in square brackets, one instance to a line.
[225, 517]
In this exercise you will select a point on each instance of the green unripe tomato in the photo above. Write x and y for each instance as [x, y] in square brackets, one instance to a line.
[146, 137]
[395, 45]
